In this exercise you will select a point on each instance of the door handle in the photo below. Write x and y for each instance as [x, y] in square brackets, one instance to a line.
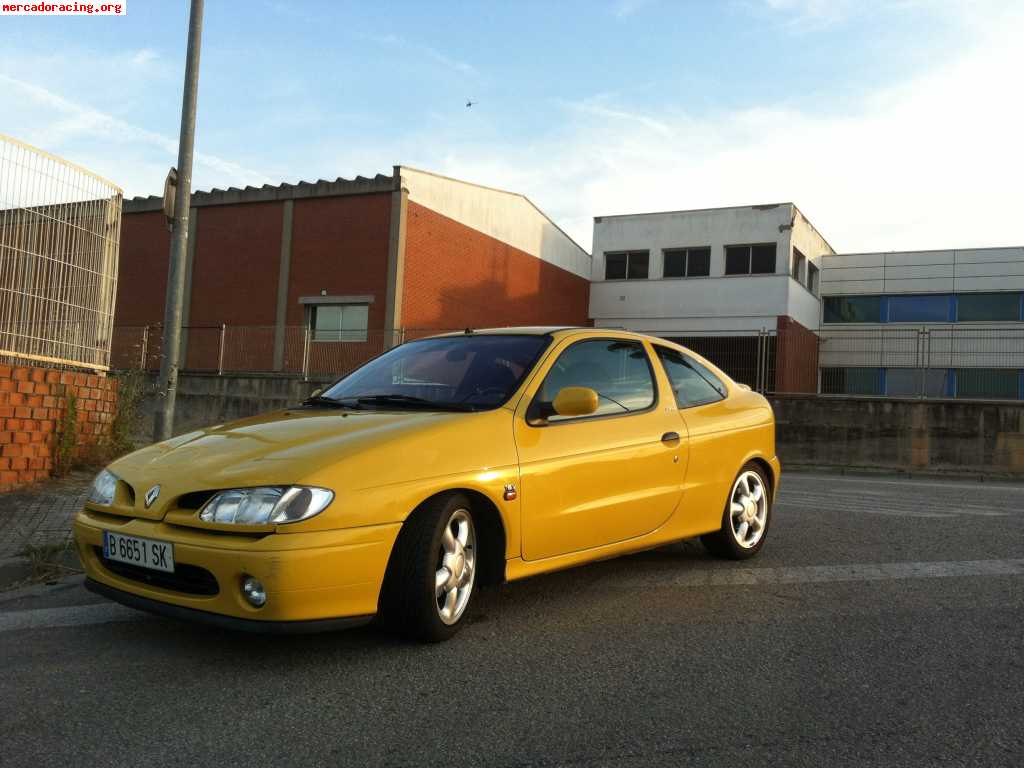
[670, 437]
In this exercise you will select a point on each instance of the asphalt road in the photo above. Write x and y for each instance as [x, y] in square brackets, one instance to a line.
[883, 624]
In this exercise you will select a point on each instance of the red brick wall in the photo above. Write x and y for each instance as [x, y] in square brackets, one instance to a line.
[457, 277]
[235, 265]
[796, 357]
[142, 269]
[340, 245]
[32, 406]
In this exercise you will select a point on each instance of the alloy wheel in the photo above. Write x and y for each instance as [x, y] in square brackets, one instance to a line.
[748, 509]
[456, 567]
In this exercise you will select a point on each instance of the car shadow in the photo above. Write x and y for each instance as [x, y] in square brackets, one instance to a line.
[509, 607]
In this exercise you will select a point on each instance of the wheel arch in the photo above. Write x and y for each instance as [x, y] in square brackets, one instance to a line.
[491, 532]
[769, 472]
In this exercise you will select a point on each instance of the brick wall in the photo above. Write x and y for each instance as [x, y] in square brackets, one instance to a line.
[796, 357]
[456, 277]
[33, 402]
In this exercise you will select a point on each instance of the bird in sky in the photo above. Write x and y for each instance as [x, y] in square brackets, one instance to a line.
[470, 102]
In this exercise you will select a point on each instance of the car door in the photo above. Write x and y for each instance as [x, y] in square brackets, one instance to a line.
[716, 424]
[607, 477]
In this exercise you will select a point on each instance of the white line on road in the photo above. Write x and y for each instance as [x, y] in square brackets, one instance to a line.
[816, 574]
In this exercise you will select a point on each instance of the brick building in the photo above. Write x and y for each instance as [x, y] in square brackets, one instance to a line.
[323, 275]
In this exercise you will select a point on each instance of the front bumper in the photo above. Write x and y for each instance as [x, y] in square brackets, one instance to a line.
[307, 576]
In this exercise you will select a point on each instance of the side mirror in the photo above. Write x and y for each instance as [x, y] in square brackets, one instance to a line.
[575, 401]
[316, 392]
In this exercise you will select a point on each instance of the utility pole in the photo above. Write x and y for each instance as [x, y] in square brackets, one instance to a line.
[167, 386]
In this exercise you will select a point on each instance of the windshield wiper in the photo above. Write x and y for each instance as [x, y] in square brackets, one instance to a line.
[407, 400]
[328, 402]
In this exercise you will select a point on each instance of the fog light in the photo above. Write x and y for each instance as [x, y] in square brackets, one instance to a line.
[254, 591]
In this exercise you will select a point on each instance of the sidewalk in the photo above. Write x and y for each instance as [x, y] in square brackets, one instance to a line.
[40, 516]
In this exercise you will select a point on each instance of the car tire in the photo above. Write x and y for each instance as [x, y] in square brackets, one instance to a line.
[431, 575]
[747, 515]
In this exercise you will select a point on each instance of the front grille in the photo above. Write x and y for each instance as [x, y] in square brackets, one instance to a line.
[190, 579]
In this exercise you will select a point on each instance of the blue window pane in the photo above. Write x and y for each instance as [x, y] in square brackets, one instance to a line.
[921, 309]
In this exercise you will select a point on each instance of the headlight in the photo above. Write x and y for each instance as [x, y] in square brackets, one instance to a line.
[103, 488]
[261, 506]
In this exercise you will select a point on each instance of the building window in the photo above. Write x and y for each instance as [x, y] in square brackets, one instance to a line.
[812, 278]
[935, 308]
[750, 259]
[973, 307]
[339, 322]
[798, 266]
[852, 381]
[909, 382]
[687, 262]
[626, 265]
[853, 309]
[988, 383]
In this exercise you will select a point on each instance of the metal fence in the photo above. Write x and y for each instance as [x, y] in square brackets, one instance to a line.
[985, 363]
[59, 237]
[967, 361]
[294, 349]
[925, 362]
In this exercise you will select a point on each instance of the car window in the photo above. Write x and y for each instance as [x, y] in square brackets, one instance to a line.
[692, 383]
[473, 370]
[617, 370]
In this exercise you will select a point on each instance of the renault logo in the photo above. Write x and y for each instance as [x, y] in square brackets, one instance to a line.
[151, 495]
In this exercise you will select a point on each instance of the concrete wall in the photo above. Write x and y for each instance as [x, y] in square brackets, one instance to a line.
[207, 399]
[715, 303]
[941, 436]
[964, 437]
[711, 304]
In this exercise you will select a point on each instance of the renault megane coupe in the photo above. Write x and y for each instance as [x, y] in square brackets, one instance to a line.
[444, 464]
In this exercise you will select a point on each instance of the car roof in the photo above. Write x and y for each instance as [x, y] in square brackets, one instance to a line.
[543, 330]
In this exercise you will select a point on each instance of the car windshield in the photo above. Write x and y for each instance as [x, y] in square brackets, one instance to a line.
[470, 372]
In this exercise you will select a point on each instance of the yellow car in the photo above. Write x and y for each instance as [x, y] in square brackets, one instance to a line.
[444, 464]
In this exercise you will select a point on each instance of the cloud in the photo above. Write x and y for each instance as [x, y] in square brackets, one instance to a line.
[623, 8]
[433, 54]
[144, 56]
[52, 121]
[812, 14]
[932, 162]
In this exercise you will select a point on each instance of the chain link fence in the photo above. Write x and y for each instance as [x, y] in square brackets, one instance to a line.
[60, 231]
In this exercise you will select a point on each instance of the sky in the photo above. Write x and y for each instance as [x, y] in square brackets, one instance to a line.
[892, 124]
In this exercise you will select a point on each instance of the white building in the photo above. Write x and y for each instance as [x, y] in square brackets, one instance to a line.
[761, 293]
[718, 270]
[946, 323]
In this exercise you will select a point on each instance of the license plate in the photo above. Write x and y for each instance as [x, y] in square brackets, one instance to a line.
[147, 553]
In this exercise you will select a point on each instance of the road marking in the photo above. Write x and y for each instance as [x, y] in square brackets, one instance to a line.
[795, 479]
[67, 616]
[818, 574]
[866, 509]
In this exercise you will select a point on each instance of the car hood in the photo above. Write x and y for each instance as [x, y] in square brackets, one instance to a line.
[274, 449]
